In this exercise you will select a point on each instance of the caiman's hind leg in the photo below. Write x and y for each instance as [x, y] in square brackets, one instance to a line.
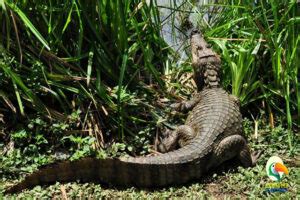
[246, 160]
[230, 147]
[175, 139]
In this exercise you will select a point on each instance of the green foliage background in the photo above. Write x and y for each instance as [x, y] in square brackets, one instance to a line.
[71, 70]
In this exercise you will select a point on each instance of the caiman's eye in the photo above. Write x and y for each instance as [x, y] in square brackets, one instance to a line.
[200, 48]
[208, 46]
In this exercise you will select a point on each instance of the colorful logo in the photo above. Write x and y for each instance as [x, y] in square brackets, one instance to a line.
[275, 168]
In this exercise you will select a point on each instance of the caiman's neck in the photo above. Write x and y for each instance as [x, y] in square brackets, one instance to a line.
[207, 75]
[211, 75]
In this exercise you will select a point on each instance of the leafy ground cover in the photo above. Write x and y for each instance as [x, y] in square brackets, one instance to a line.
[228, 181]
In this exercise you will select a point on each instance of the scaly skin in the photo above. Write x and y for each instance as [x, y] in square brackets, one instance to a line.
[211, 135]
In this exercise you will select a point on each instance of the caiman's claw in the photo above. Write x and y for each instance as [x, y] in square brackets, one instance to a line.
[255, 156]
[176, 106]
[161, 147]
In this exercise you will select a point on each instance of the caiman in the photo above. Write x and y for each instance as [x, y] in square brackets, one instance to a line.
[212, 134]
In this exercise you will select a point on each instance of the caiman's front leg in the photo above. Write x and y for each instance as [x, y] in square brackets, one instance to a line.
[176, 139]
[183, 134]
[186, 106]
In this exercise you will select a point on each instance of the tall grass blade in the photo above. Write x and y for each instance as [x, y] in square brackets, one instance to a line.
[28, 24]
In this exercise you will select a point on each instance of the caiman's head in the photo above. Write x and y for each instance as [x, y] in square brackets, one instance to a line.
[205, 61]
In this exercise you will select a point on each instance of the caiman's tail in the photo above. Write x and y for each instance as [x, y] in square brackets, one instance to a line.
[171, 168]
[61, 171]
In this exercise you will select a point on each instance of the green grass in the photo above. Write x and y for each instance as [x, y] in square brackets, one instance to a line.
[227, 182]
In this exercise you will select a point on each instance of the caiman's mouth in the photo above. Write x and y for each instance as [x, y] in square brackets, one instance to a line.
[207, 56]
[213, 59]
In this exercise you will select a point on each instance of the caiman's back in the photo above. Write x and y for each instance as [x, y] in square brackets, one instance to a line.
[217, 115]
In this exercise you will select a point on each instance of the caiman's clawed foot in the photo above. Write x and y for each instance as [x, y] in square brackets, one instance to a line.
[183, 107]
[255, 156]
[186, 106]
[176, 106]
